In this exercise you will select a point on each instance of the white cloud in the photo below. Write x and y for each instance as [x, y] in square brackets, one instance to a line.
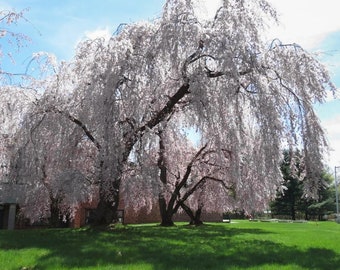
[332, 127]
[306, 22]
[99, 33]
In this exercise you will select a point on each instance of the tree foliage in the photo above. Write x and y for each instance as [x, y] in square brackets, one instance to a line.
[244, 96]
[180, 173]
[292, 201]
[15, 103]
[61, 170]
[10, 38]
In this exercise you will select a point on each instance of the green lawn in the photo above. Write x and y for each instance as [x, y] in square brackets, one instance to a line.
[239, 245]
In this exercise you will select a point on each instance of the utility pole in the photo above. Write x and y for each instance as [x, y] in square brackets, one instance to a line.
[336, 194]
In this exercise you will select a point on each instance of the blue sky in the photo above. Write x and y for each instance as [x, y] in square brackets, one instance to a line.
[56, 26]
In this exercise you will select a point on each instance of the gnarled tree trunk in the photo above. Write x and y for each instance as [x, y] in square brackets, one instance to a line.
[106, 211]
[166, 214]
[195, 218]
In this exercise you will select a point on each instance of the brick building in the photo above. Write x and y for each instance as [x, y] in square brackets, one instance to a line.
[128, 215]
[10, 210]
[7, 215]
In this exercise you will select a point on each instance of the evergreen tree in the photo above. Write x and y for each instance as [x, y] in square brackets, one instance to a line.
[292, 202]
[289, 201]
[325, 204]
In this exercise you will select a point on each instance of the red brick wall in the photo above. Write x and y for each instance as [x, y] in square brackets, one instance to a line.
[206, 217]
[79, 217]
[142, 216]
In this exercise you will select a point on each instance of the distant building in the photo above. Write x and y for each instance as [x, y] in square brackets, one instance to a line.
[10, 218]
[7, 215]
[128, 215]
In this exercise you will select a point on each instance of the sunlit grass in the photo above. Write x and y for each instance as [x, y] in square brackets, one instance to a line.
[239, 245]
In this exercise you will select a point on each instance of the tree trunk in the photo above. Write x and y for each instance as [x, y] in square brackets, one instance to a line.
[195, 218]
[292, 211]
[166, 209]
[106, 211]
[166, 214]
[167, 220]
[56, 219]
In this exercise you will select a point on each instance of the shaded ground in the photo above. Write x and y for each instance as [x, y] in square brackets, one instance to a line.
[215, 246]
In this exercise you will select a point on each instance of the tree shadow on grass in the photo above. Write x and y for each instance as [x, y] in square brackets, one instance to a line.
[257, 253]
[208, 247]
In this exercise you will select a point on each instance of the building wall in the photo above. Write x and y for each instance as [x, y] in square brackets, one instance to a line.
[8, 212]
[130, 216]
[142, 216]
[81, 216]
[4, 216]
[206, 217]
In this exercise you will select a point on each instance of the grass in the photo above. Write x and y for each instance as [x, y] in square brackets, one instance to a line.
[239, 245]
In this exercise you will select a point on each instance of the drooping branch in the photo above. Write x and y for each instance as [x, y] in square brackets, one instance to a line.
[173, 100]
[79, 123]
[180, 93]
[296, 97]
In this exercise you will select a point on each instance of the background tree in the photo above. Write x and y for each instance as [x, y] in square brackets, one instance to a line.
[191, 170]
[59, 176]
[291, 201]
[22, 153]
[14, 105]
[324, 205]
[14, 102]
[219, 73]
[10, 38]
[178, 171]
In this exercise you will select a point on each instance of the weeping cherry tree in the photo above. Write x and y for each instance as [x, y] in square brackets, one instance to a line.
[248, 96]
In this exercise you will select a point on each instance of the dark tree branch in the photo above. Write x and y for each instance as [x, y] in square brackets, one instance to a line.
[185, 178]
[215, 74]
[287, 88]
[78, 123]
[187, 210]
[192, 58]
[166, 110]
[197, 185]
